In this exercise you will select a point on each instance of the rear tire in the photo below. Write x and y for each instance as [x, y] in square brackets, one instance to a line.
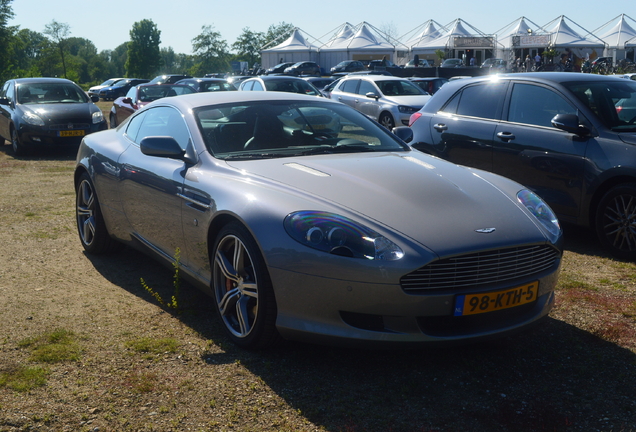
[616, 221]
[113, 121]
[90, 223]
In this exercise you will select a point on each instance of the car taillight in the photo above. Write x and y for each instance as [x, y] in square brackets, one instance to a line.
[414, 118]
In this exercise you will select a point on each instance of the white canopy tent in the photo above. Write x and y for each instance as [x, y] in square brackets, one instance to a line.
[365, 43]
[566, 40]
[296, 48]
[619, 36]
[521, 35]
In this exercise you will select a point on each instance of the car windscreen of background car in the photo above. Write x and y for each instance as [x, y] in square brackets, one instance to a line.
[50, 93]
[288, 129]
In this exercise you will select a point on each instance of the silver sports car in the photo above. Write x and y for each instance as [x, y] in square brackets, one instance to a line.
[305, 220]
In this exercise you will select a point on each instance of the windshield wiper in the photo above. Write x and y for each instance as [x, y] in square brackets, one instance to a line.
[248, 156]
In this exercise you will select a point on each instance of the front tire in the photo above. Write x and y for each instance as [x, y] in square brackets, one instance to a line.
[616, 221]
[242, 289]
[387, 121]
[90, 223]
[113, 121]
[16, 144]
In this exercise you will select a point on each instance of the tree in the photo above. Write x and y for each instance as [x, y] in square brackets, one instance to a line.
[211, 52]
[276, 32]
[248, 46]
[27, 47]
[144, 56]
[58, 32]
[6, 37]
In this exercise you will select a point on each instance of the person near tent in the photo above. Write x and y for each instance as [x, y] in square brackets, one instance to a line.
[528, 63]
[472, 61]
[537, 61]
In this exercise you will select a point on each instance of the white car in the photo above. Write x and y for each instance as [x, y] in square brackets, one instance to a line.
[386, 99]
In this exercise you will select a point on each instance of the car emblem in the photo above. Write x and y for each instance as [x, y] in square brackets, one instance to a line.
[70, 126]
[485, 230]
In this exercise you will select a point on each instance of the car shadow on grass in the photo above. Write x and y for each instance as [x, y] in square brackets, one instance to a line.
[553, 377]
[46, 154]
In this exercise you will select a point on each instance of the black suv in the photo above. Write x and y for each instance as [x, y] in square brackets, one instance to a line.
[571, 138]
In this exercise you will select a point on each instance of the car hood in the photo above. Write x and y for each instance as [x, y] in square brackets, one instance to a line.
[435, 203]
[412, 101]
[63, 112]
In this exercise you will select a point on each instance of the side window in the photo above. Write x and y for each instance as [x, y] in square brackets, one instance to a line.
[481, 100]
[132, 93]
[366, 87]
[349, 86]
[536, 105]
[9, 91]
[164, 121]
[257, 86]
[3, 92]
[133, 126]
[247, 86]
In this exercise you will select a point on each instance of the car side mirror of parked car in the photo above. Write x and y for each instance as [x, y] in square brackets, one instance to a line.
[94, 99]
[162, 146]
[570, 123]
[404, 133]
[372, 95]
[127, 100]
[4, 101]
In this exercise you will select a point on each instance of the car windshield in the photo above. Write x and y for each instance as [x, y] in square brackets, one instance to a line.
[291, 86]
[39, 93]
[152, 93]
[399, 88]
[258, 130]
[212, 86]
[613, 101]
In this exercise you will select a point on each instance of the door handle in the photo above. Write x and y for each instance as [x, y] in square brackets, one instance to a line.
[506, 136]
[440, 127]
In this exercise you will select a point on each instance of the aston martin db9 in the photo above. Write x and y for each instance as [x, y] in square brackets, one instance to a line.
[305, 220]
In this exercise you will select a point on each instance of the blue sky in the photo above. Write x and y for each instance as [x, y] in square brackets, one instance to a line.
[107, 24]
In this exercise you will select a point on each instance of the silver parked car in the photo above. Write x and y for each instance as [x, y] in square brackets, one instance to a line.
[305, 220]
[386, 99]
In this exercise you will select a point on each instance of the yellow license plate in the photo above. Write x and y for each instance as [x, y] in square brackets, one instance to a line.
[71, 133]
[471, 304]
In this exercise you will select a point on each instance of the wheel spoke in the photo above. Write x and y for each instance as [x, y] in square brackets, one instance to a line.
[226, 267]
[228, 301]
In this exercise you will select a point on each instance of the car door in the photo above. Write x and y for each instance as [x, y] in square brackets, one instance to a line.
[463, 130]
[346, 92]
[369, 106]
[529, 150]
[150, 186]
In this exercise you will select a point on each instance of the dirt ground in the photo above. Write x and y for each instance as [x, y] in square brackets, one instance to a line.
[576, 372]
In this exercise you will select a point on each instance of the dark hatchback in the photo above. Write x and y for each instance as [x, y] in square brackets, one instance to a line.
[563, 135]
[207, 84]
[46, 112]
[120, 88]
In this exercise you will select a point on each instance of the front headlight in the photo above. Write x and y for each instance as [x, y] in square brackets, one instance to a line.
[98, 117]
[338, 235]
[407, 109]
[32, 119]
[541, 211]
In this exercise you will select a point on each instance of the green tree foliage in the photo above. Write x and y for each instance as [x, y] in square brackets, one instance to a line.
[59, 32]
[248, 46]
[144, 56]
[6, 37]
[210, 51]
[276, 33]
[27, 46]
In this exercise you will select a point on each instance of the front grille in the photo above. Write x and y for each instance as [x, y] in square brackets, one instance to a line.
[64, 126]
[482, 268]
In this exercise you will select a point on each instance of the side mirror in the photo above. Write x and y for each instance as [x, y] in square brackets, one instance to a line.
[372, 95]
[4, 101]
[127, 100]
[94, 98]
[162, 146]
[570, 123]
[404, 133]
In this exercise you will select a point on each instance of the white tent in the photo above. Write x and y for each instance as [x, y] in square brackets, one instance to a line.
[619, 36]
[458, 29]
[296, 48]
[428, 33]
[566, 40]
[366, 43]
[520, 35]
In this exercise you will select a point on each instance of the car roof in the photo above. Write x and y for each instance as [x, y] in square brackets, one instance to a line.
[42, 80]
[194, 100]
[276, 78]
[370, 77]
